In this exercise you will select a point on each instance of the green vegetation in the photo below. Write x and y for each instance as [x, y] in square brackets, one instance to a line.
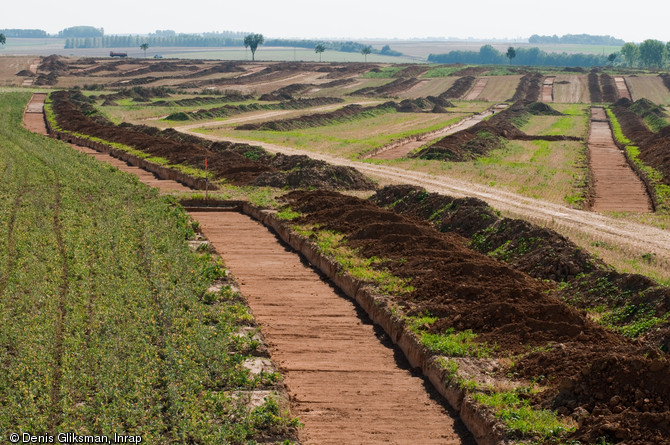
[386, 72]
[106, 321]
[449, 342]
[252, 41]
[333, 245]
[654, 176]
[520, 417]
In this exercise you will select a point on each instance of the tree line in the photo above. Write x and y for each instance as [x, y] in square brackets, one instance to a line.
[578, 39]
[648, 54]
[488, 55]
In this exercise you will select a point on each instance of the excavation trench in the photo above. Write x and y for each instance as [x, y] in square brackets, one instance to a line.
[347, 382]
[615, 185]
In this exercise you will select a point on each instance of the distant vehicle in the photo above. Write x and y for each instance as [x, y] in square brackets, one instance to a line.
[113, 54]
[158, 56]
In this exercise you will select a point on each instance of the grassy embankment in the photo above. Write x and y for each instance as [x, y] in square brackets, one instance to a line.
[107, 325]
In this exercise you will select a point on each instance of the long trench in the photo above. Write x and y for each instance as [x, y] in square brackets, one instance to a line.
[346, 381]
[615, 185]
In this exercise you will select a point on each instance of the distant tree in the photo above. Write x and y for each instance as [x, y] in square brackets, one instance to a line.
[3, 39]
[631, 53]
[510, 54]
[319, 48]
[488, 54]
[612, 57]
[252, 41]
[651, 53]
[365, 51]
[144, 47]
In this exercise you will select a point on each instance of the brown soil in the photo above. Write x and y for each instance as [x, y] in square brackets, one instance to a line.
[412, 70]
[548, 89]
[616, 389]
[235, 164]
[594, 87]
[470, 71]
[477, 89]
[666, 79]
[346, 382]
[485, 136]
[529, 87]
[459, 88]
[390, 89]
[622, 87]
[290, 91]
[609, 88]
[615, 185]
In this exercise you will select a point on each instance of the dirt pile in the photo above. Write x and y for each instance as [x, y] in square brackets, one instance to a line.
[230, 110]
[160, 67]
[609, 88]
[392, 88]
[654, 147]
[239, 166]
[412, 70]
[229, 96]
[537, 251]
[485, 136]
[137, 94]
[459, 88]
[339, 71]
[470, 71]
[666, 79]
[594, 87]
[529, 88]
[615, 389]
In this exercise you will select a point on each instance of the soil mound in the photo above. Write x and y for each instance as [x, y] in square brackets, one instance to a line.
[609, 88]
[25, 73]
[470, 71]
[394, 87]
[413, 70]
[459, 88]
[615, 389]
[54, 64]
[239, 166]
[666, 79]
[594, 87]
[542, 109]
[529, 88]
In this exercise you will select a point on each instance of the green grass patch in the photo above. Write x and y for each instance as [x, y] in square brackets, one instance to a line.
[520, 417]
[386, 72]
[105, 312]
[450, 342]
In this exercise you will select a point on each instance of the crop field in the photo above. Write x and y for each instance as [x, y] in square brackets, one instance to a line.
[108, 325]
[124, 336]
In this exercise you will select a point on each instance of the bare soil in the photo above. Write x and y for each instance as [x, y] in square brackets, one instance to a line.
[240, 165]
[615, 388]
[548, 89]
[615, 185]
[459, 88]
[346, 382]
[596, 94]
[609, 88]
[476, 89]
[529, 87]
[622, 87]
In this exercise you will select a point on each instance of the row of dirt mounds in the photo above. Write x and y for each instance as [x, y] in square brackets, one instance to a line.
[485, 136]
[595, 92]
[542, 253]
[666, 79]
[470, 71]
[529, 88]
[268, 74]
[348, 113]
[609, 88]
[239, 164]
[614, 388]
[338, 71]
[230, 110]
[461, 86]
[137, 94]
[653, 147]
[389, 89]
[412, 70]
[290, 91]
[230, 96]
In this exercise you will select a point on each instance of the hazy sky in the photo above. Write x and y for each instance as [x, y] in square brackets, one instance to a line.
[628, 20]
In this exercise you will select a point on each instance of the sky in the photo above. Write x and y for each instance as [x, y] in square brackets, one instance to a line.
[355, 19]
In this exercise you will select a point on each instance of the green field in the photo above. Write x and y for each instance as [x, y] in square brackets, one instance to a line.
[107, 325]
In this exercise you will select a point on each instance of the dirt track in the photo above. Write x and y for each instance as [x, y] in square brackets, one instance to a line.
[622, 87]
[616, 185]
[548, 89]
[477, 89]
[346, 385]
[637, 237]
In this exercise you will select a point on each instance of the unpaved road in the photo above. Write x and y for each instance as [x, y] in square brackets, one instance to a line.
[622, 87]
[477, 89]
[345, 385]
[638, 237]
[615, 184]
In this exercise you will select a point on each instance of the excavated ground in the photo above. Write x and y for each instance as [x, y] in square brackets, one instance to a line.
[237, 163]
[616, 389]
